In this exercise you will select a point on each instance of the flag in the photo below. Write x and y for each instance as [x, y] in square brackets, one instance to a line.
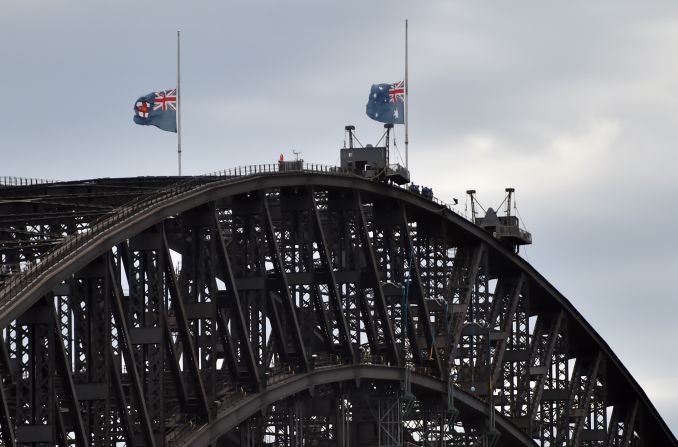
[387, 103]
[157, 109]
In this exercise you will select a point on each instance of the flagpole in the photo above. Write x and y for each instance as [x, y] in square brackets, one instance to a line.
[407, 88]
[179, 101]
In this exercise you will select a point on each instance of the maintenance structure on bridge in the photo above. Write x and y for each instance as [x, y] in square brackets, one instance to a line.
[295, 306]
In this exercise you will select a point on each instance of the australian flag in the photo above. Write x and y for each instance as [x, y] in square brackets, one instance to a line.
[157, 109]
[387, 103]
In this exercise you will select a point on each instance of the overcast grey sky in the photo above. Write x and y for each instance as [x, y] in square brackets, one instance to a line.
[572, 103]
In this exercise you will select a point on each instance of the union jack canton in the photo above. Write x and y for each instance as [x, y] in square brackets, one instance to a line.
[157, 109]
[386, 103]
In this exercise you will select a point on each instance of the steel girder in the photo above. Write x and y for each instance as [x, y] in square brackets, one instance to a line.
[204, 306]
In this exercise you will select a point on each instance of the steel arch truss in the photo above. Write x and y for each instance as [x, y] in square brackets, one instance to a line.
[298, 312]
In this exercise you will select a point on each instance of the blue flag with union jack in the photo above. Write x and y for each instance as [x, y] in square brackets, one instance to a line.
[386, 103]
[157, 109]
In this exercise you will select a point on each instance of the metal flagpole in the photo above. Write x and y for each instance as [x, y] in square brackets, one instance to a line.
[179, 101]
[407, 89]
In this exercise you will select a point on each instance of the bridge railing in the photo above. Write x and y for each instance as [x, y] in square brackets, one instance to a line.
[23, 181]
[122, 214]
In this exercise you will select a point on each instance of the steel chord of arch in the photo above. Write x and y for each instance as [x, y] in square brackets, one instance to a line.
[299, 383]
[285, 314]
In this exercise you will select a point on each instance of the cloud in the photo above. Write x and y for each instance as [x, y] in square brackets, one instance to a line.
[572, 160]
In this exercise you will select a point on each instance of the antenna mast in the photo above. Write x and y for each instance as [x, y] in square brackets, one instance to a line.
[471, 193]
[510, 191]
[407, 101]
[350, 129]
[179, 101]
[388, 128]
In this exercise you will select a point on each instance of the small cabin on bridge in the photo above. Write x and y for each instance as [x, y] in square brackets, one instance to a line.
[504, 228]
[372, 161]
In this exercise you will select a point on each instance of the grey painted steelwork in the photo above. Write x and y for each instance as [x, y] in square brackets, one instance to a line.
[314, 307]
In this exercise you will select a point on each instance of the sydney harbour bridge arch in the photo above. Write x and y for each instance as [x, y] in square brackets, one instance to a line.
[306, 307]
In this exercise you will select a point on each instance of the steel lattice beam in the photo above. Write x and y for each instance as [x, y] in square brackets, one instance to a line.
[301, 308]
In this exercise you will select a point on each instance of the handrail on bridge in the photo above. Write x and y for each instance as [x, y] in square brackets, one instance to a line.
[19, 283]
[6, 180]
